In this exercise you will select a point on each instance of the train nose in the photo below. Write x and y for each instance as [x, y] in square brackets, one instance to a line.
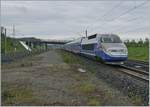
[117, 51]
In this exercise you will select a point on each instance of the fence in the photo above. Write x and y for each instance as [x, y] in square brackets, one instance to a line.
[9, 57]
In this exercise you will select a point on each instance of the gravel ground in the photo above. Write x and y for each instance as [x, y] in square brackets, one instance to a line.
[46, 80]
[113, 76]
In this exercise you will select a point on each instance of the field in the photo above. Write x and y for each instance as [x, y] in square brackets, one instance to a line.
[138, 53]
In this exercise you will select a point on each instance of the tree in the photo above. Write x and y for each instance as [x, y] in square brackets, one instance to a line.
[140, 42]
[133, 43]
[127, 42]
[146, 42]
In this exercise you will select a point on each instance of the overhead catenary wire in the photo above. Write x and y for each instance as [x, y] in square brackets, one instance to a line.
[129, 20]
[134, 19]
[139, 28]
[109, 11]
[112, 9]
[129, 10]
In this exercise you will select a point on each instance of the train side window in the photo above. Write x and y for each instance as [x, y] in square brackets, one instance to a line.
[100, 40]
[88, 47]
[92, 36]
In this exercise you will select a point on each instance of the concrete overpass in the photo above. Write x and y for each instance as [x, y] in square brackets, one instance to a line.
[34, 42]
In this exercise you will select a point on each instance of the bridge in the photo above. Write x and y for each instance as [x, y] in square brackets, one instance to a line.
[34, 42]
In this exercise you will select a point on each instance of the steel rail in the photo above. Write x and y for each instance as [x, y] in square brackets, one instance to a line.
[138, 61]
[136, 74]
[134, 69]
[135, 64]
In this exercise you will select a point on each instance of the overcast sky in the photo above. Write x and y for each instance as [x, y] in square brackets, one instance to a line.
[68, 19]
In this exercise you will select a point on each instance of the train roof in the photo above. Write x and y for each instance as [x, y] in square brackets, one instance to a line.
[78, 40]
[89, 39]
[93, 38]
[98, 34]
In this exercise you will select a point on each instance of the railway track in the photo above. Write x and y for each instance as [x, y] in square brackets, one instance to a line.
[138, 69]
[138, 64]
[140, 74]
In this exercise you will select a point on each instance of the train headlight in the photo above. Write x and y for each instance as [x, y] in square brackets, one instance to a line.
[109, 51]
[104, 49]
[126, 51]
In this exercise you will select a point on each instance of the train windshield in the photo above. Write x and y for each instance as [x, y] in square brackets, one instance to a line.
[110, 39]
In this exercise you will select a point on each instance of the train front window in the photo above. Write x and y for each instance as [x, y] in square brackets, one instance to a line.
[110, 39]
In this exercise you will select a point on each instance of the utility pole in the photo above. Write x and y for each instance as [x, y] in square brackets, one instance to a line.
[5, 37]
[86, 32]
[14, 38]
[13, 31]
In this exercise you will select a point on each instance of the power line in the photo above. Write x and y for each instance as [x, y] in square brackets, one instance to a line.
[130, 20]
[133, 19]
[136, 29]
[129, 10]
[110, 10]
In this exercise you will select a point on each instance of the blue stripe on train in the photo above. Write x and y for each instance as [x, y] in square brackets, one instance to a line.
[108, 58]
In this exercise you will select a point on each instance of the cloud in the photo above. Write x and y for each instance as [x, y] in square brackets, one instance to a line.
[58, 19]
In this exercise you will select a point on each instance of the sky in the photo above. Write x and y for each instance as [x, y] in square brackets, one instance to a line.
[69, 19]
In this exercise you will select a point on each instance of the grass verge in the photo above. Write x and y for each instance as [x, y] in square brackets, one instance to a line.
[75, 61]
[17, 96]
[86, 88]
[138, 53]
[94, 101]
[69, 57]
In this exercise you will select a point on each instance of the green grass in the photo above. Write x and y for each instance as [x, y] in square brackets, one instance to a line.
[138, 53]
[136, 100]
[69, 57]
[75, 61]
[94, 101]
[10, 45]
[87, 88]
[17, 96]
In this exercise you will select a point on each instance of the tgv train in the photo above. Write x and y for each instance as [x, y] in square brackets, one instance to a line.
[107, 47]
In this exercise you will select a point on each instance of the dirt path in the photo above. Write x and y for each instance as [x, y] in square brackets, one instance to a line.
[46, 80]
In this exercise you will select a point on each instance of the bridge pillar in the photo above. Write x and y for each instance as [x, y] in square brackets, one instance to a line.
[27, 43]
[46, 46]
[41, 46]
[32, 45]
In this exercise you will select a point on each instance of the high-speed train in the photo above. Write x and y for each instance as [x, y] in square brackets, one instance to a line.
[107, 47]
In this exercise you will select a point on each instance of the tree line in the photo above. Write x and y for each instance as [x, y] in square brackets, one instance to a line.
[134, 43]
